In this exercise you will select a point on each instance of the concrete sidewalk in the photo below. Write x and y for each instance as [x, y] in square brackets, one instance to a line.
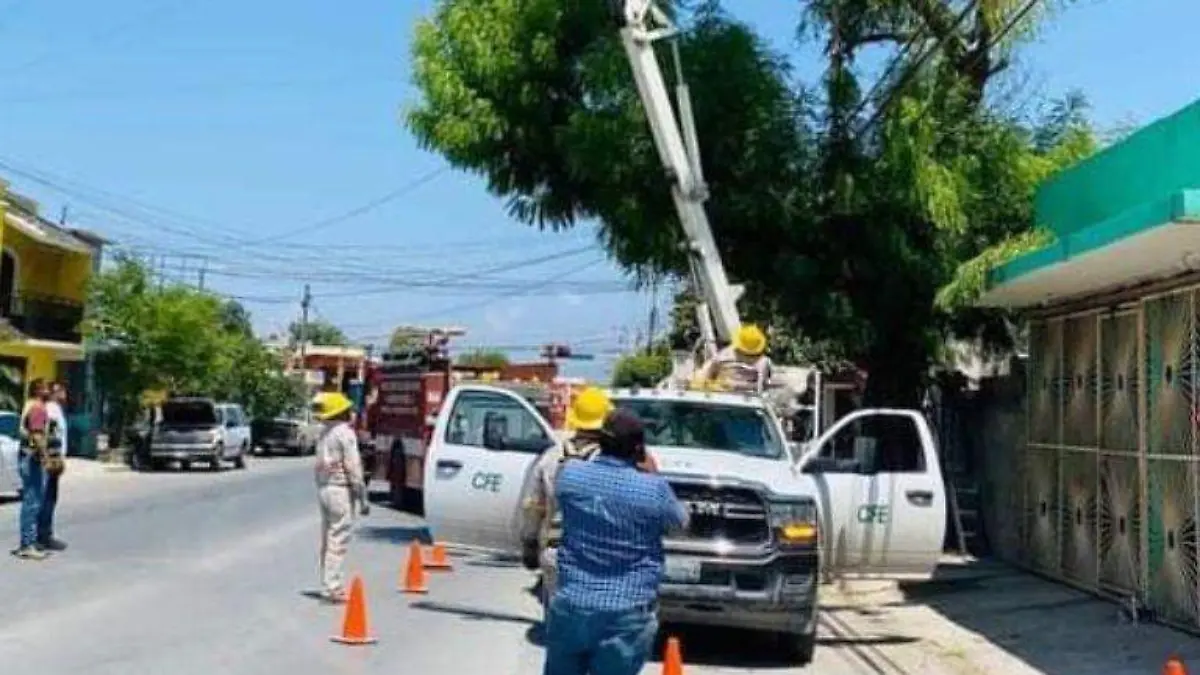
[79, 468]
[986, 617]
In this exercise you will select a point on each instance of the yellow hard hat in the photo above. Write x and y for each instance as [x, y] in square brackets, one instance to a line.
[588, 410]
[329, 404]
[750, 340]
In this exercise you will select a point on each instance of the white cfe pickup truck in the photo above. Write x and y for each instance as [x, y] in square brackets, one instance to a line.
[769, 519]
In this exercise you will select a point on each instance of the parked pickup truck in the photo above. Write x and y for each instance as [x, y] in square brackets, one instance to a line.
[769, 519]
[294, 434]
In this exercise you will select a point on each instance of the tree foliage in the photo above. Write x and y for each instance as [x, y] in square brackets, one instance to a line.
[644, 369]
[483, 358]
[317, 332]
[861, 214]
[180, 340]
[405, 339]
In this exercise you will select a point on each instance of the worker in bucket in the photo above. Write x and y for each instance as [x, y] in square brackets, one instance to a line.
[741, 366]
[543, 521]
[341, 487]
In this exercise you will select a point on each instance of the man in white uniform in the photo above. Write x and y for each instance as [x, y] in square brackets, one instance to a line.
[340, 485]
[742, 366]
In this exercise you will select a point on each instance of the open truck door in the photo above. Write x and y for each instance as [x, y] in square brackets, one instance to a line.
[879, 483]
[485, 443]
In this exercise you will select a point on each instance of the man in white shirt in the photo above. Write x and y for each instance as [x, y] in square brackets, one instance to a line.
[54, 407]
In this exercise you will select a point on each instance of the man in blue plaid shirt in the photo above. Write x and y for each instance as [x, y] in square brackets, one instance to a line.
[615, 511]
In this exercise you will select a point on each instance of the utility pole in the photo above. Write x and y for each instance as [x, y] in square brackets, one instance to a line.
[62, 217]
[305, 302]
[203, 269]
[653, 317]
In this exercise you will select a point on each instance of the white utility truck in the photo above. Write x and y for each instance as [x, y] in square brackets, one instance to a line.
[770, 519]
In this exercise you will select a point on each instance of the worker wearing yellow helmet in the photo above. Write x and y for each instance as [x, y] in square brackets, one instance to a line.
[542, 531]
[743, 365]
[340, 485]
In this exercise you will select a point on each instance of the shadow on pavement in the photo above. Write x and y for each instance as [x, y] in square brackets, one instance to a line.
[395, 534]
[1053, 628]
[495, 561]
[702, 646]
[723, 647]
[473, 613]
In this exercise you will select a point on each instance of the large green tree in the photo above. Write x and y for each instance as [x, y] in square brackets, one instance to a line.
[180, 340]
[859, 222]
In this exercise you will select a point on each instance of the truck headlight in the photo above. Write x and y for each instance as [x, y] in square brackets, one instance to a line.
[794, 523]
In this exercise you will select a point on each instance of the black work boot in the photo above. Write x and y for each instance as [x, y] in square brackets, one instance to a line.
[52, 544]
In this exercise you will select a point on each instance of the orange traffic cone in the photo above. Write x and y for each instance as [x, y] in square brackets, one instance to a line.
[1174, 666]
[414, 572]
[672, 658]
[354, 624]
[438, 560]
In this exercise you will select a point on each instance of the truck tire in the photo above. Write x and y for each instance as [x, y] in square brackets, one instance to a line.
[413, 502]
[798, 648]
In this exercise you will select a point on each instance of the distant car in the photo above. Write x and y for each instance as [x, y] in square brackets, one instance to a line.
[292, 434]
[10, 449]
[200, 429]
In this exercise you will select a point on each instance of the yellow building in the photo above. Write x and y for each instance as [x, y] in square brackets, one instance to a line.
[44, 273]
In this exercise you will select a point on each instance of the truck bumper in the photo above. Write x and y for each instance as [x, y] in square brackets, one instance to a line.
[777, 594]
[182, 451]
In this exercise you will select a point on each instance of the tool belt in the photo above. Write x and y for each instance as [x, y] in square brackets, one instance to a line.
[47, 452]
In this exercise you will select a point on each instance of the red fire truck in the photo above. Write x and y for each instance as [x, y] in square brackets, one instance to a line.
[407, 393]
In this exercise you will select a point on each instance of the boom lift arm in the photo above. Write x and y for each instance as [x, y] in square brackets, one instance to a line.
[643, 23]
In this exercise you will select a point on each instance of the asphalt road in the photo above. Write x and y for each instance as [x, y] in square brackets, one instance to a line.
[199, 573]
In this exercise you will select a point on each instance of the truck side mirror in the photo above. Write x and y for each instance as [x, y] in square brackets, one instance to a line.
[820, 464]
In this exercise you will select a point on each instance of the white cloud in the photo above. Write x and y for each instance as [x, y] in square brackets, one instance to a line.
[571, 299]
[503, 319]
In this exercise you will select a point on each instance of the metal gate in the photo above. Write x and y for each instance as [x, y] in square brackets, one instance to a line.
[1109, 472]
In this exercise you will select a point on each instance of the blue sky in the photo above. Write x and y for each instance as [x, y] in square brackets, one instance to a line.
[229, 131]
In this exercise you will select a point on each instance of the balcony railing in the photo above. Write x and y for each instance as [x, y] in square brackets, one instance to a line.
[45, 317]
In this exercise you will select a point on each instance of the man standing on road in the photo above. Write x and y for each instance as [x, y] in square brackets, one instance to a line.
[340, 484]
[542, 531]
[58, 417]
[35, 428]
[603, 619]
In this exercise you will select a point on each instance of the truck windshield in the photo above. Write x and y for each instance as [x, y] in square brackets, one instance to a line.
[708, 426]
[189, 412]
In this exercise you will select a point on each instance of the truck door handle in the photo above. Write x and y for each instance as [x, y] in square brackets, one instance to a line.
[448, 468]
[920, 497]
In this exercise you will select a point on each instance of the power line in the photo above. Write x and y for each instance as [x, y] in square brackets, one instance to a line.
[210, 89]
[915, 67]
[1014, 19]
[224, 241]
[158, 11]
[485, 303]
[356, 211]
[468, 278]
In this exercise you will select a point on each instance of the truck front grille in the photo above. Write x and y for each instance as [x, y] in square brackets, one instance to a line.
[733, 514]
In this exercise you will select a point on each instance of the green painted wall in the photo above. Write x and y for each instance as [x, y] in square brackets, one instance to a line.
[1150, 165]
